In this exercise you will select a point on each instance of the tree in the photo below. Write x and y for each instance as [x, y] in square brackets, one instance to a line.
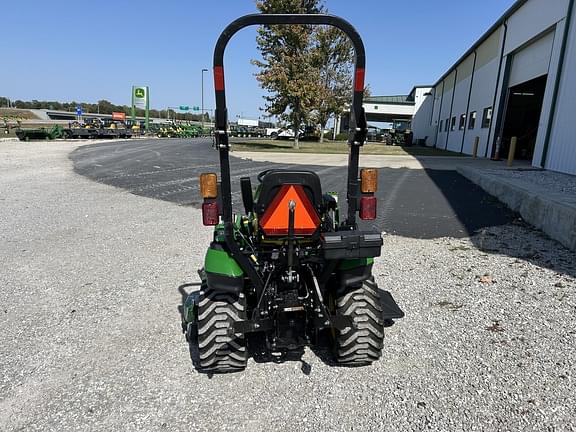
[333, 58]
[287, 69]
[306, 70]
[106, 107]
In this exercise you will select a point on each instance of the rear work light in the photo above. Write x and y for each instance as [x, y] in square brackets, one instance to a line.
[369, 180]
[368, 208]
[208, 185]
[210, 213]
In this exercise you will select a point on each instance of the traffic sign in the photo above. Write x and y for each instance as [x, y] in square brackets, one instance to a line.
[78, 110]
[196, 108]
[184, 107]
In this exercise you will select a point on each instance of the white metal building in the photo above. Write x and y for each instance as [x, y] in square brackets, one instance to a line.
[389, 109]
[518, 80]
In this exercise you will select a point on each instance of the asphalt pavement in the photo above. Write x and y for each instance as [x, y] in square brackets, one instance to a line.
[423, 203]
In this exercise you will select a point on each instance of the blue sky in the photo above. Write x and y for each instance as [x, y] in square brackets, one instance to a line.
[85, 51]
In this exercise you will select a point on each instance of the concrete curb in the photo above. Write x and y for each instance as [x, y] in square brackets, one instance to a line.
[544, 210]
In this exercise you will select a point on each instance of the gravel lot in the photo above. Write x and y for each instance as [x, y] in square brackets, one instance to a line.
[91, 330]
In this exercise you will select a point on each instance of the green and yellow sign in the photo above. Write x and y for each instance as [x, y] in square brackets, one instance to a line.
[140, 97]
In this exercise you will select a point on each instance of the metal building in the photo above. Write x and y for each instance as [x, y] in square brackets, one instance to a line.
[389, 109]
[518, 80]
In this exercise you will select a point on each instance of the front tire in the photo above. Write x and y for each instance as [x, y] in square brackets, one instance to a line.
[361, 345]
[219, 350]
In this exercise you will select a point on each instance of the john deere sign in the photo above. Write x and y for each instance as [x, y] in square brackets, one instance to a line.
[140, 99]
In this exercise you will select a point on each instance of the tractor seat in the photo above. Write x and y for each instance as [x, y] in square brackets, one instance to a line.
[273, 180]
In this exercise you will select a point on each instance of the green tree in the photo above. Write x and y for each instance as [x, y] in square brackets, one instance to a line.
[287, 69]
[307, 70]
[107, 107]
[333, 58]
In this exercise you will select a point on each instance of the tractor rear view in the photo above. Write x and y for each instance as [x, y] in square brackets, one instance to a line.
[288, 269]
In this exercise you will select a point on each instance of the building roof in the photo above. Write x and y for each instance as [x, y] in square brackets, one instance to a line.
[390, 100]
[517, 5]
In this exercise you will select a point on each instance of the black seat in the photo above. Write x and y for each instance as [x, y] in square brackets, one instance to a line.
[273, 180]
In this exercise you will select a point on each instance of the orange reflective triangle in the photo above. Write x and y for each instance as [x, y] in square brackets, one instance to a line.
[275, 218]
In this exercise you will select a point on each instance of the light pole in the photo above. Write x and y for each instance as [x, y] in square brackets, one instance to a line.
[203, 70]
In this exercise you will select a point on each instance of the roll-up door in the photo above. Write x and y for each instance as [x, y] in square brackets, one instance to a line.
[532, 61]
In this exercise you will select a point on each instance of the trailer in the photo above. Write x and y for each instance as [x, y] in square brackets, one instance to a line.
[40, 133]
[97, 129]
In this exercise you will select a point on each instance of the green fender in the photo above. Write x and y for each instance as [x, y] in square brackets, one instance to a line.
[219, 262]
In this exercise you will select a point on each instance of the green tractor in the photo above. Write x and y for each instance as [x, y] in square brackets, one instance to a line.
[288, 273]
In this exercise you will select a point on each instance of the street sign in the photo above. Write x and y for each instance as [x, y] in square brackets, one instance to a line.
[196, 108]
[183, 107]
[78, 110]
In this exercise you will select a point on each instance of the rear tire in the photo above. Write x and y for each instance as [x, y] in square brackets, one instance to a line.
[361, 345]
[218, 350]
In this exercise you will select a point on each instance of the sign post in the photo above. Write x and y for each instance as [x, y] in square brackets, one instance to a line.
[132, 109]
[147, 119]
[79, 113]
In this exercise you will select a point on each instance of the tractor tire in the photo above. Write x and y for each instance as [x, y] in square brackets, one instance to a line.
[361, 345]
[218, 350]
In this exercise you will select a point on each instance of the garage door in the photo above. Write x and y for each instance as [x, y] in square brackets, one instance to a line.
[532, 61]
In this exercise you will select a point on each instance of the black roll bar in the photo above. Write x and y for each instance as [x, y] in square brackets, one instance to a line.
[358, 127]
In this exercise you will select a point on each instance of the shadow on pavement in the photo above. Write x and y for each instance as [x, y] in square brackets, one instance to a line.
[415, 203]
[489, 224]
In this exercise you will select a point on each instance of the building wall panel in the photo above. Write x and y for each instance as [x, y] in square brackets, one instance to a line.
[489, 49]
[459, 107]
[562, 147]
[435, 113]
[421, 121]
[444, 115]
[532, 19]
[481, 97]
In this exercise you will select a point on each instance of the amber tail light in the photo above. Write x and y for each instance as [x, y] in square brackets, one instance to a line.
[208, 185]
[369, 180]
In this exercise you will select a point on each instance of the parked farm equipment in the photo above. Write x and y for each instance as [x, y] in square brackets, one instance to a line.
[54, 132]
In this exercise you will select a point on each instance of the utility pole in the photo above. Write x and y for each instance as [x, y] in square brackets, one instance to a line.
[203, 70]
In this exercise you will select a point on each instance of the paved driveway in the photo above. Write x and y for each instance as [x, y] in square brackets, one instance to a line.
[418, 203]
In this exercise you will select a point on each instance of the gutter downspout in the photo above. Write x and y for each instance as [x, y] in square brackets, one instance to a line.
[468, 104]
[557, 85]
[496, 89]
[451, 108]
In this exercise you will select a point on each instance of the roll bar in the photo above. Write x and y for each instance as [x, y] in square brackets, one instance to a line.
[358, 126]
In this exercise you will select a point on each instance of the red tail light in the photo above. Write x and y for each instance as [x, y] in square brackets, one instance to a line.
[368, 208]
[210, 213]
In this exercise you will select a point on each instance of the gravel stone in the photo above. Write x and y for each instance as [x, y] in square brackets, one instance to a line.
[91, 340]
